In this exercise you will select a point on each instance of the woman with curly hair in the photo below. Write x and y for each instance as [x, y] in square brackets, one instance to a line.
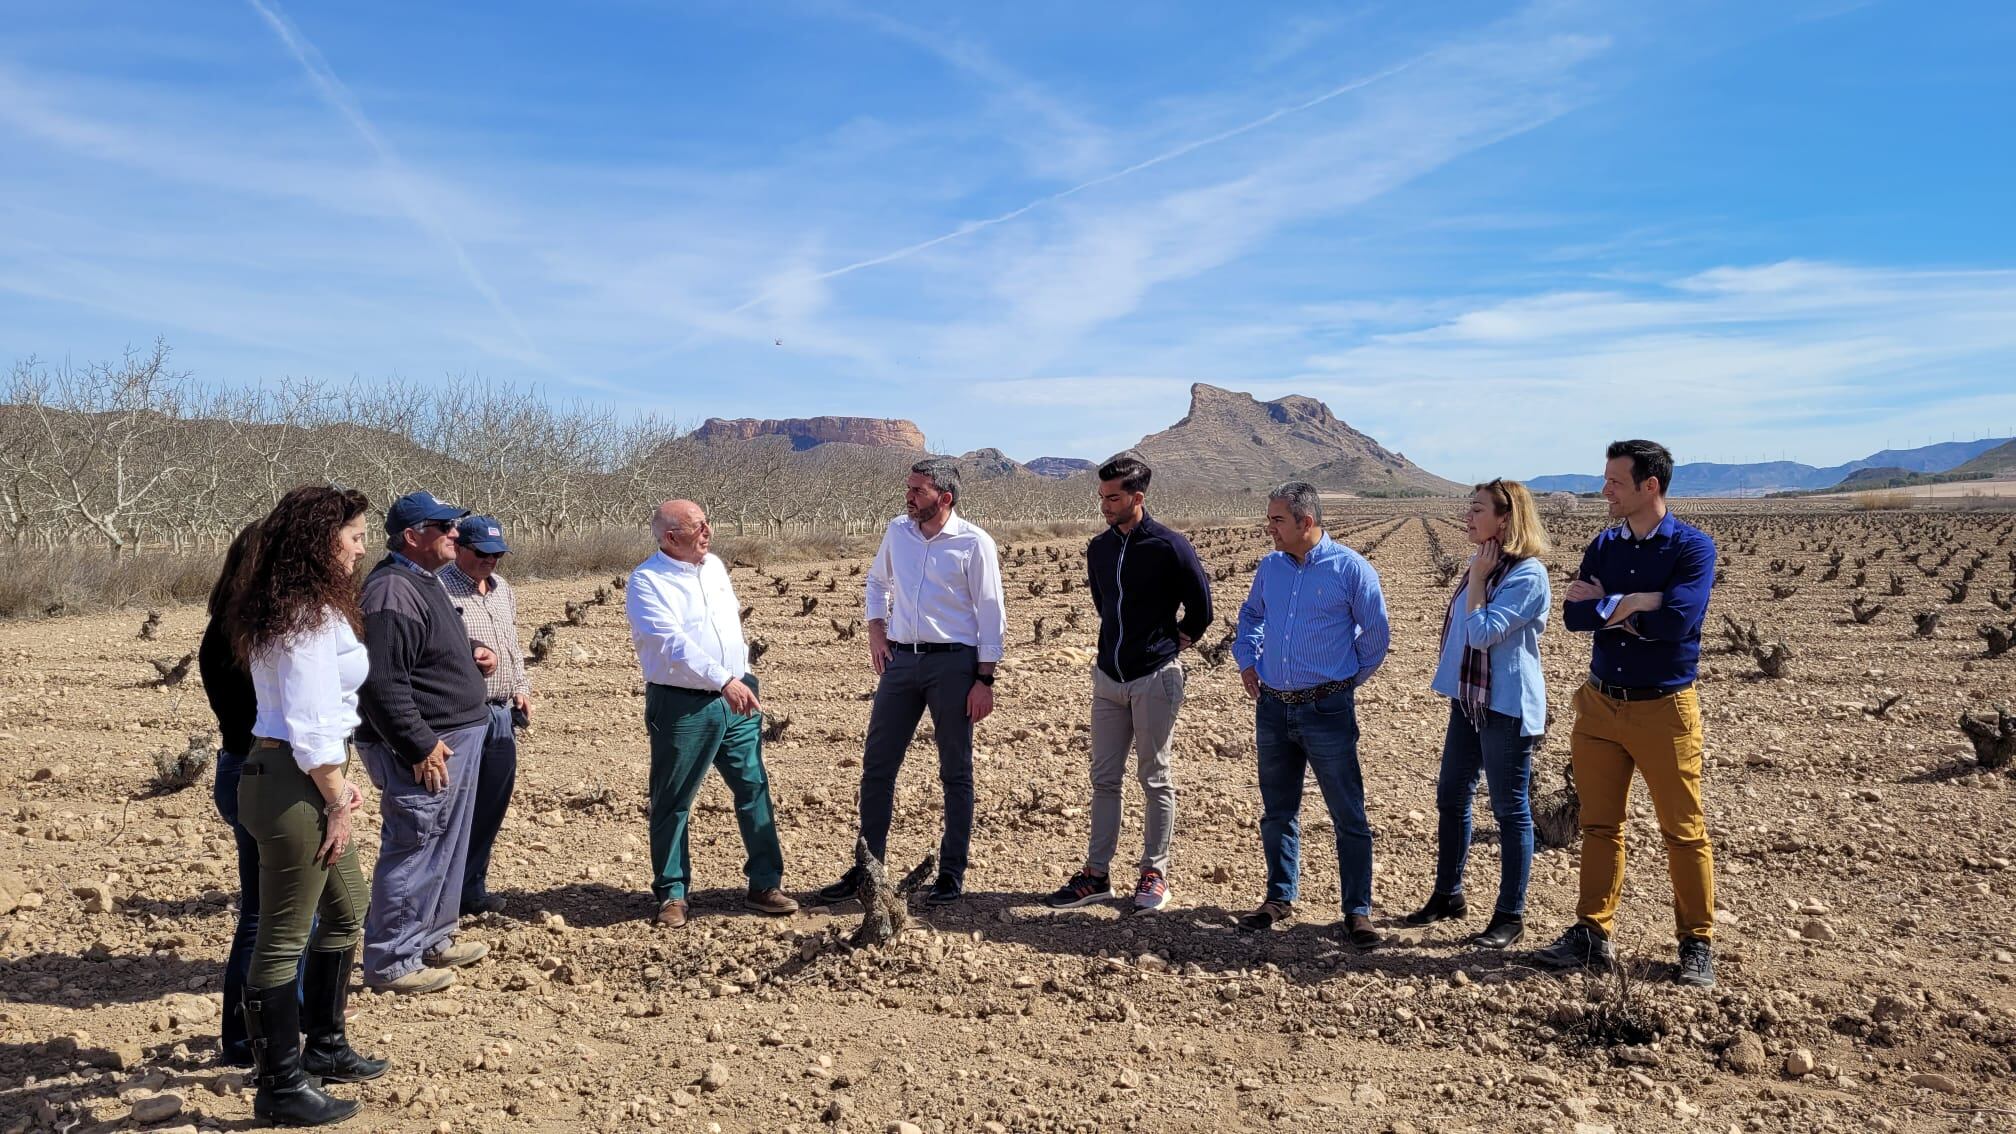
[296, 630]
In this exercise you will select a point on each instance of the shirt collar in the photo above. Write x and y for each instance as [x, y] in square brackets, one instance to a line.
[1661, 530]
[680, 565]
[412, 566]
[954, 525]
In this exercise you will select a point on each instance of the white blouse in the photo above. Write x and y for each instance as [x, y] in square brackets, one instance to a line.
[307, 691]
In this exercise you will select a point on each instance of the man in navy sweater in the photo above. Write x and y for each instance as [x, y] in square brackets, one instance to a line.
[1154, 601]
[1642, 591]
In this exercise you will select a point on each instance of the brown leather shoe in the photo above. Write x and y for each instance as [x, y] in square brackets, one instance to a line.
[770, 901]
[1270, 915]
[672, 914]
[1358, 930]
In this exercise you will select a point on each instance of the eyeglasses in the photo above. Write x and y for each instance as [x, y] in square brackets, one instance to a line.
[486, 554]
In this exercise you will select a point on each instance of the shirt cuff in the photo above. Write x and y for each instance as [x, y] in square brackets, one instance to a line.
[990, 654]
[1606, 605]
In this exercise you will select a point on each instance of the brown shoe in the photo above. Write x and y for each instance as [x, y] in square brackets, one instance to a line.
[1270, 915]
[456, 954]
[1358, 930]
[672, 914]
[419, 982]
[770, 900]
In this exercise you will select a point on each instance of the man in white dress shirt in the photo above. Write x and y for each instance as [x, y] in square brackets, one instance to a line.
[935, 625]
[700, 708]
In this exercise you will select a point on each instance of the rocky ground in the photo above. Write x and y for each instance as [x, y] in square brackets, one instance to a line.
[1865, 933]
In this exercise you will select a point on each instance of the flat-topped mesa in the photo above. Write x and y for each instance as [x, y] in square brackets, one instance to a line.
[806, 432]
[1231, 439]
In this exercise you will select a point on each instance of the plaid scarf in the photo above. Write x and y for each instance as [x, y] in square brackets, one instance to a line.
[1473, 676]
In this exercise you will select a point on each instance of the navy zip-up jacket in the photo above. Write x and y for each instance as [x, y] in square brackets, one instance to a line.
[1654, 649]
[1138, 580]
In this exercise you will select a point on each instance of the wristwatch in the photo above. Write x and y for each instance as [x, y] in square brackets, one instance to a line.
[986, 679]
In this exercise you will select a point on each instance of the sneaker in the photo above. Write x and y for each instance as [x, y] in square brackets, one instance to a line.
[1440, 907]
[1697, 963]
[488, 903]
[1504, 932]
[456, 954]
[944, 891]
[770, 900]
[671, 913]
[1152, 892]
[845, 890]
[1084, 889]
[1579, 948]
[416, 983]
[1270, 915]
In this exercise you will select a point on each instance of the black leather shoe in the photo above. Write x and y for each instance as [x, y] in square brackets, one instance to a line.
[845, 890]
[1440, 907]
[285, 1095]
[944, 891]
[1504, 931]
[325, 990]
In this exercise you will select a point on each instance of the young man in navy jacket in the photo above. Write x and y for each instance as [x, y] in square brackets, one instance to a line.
[1642, 594]
[1154, 600]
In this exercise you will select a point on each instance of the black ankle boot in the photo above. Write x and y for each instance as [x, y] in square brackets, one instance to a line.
[1504, 931]
[1440, 907]
[325, 990]
[285, 1096]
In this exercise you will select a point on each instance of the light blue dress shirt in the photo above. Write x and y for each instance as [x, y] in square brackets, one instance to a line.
[1509, 628]
[1310, 623]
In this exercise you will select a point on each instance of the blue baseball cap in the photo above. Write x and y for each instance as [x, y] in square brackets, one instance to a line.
[416, 508]
[482, 533]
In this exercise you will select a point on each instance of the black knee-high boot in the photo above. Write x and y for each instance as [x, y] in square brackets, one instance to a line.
[325, 989]
[285, 1095]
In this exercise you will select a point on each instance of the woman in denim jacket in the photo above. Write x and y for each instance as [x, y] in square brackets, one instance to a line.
[1490, 671]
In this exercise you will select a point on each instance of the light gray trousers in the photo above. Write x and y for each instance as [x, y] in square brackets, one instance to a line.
[1138, 714]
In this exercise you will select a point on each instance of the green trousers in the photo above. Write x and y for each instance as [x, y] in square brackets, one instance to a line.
[690, 732]
[282, 808]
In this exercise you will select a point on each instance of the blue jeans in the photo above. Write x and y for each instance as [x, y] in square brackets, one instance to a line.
[494, 782]
[1505, 759]
[238, 962]
[1321, 737]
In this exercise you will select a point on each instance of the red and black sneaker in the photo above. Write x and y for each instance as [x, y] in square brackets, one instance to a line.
[1083, 889]
[1152, 892]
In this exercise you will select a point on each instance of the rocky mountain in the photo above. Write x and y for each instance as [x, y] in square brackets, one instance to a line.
[1061, 467]
[1709, 478]
[806, 432]
[1232, 440]
[986, 463]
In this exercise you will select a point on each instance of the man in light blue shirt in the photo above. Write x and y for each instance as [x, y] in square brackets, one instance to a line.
[1312, 630]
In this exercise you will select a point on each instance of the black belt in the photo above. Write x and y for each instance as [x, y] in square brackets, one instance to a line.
[1635, 693]
[688, 690]
[1310, 695]
[928, 647]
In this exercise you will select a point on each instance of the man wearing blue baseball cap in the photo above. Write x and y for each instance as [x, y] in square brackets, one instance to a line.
[490, 613]
[425, 714]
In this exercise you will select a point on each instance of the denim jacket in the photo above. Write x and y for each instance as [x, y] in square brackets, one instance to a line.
[1509, 626]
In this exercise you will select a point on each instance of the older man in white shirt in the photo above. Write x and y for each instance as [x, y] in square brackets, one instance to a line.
[935, 627]
[700, 708]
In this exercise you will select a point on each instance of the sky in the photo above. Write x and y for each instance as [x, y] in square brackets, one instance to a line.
[1494, 236]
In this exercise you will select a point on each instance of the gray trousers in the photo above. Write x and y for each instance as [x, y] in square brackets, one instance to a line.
[416, 890]
[1138, 714]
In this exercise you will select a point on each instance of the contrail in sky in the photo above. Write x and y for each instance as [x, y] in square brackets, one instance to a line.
[339, 97]
[971, 227]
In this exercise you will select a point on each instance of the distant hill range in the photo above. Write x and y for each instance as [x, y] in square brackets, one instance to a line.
[1998, 461]
[806, 432]
[1231, 440]
[1061, 467]
[1707, 478]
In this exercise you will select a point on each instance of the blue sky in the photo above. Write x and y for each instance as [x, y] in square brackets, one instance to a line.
[1492, 235]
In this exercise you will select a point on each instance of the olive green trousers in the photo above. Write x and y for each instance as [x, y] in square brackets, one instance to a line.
[282, 808]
